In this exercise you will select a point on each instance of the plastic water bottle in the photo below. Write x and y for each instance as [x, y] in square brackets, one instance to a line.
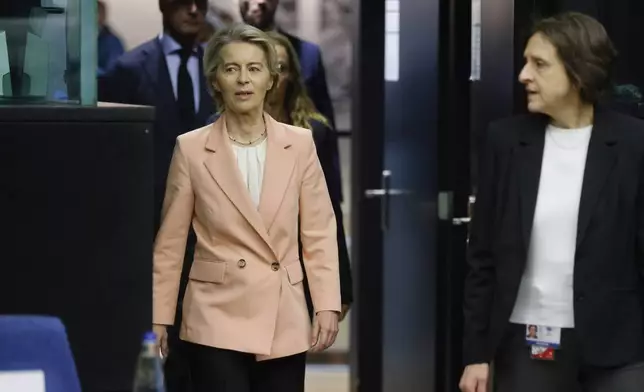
[149, 370]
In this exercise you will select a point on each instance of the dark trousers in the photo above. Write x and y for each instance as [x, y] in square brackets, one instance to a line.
[176, 369]
[514, 370]
[213, 369]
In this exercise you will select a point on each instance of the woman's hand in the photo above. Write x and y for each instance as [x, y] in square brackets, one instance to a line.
[161, 331]
[475, 378]
[325, 330]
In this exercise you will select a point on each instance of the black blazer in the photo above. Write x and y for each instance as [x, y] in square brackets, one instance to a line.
[609, 260]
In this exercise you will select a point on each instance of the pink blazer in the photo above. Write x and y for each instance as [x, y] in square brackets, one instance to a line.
[245, 291]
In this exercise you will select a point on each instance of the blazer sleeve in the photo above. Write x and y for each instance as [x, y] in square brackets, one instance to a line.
[113, 49]
[326, 145]
[318, 234]
[480, 281]
[170, 244]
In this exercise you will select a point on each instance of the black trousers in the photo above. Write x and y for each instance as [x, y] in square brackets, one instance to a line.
[213, 369]
[516, 371]
[176, 369]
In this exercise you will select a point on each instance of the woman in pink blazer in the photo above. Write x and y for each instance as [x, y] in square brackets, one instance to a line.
[241, 183]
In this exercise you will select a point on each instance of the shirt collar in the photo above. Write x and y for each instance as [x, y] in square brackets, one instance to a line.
[171, 46]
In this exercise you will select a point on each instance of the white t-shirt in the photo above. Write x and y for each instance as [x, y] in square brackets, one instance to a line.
[546, 293]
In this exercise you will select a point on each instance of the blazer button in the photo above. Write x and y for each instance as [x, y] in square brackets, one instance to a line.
[241, 263]
[275, 266]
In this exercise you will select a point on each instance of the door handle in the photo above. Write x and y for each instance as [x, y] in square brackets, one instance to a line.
[385, 192]
[466, 219]
[461, 221]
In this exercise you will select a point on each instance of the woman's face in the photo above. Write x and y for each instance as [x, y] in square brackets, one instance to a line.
[533, 331]
[243, 77]
[544, 76]
[283, 63]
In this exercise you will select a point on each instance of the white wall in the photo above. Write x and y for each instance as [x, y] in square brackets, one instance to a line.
[137, 21]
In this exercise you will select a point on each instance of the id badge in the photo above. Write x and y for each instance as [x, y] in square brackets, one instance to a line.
[543, 336]
[542, 353]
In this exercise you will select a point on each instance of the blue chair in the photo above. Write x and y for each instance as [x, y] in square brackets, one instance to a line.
[38, 343]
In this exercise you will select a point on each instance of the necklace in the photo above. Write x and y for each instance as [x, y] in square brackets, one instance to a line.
[260, 137]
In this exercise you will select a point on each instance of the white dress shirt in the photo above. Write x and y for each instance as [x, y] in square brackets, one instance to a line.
[546, 293]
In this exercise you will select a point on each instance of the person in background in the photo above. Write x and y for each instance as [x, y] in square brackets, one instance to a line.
[250, 186]
[167, 74]
[290, 104]
[557, 237]
[216, 18]
[110, 47]
[261, 14]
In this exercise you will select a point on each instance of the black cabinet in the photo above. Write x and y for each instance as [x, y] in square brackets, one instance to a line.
[76, 211]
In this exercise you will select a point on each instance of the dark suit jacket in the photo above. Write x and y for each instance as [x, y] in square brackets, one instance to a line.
[310, 58]
[140, 77]
[326, 144]
[609, 260]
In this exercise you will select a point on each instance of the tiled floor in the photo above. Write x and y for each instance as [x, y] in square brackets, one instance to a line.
[327, 378]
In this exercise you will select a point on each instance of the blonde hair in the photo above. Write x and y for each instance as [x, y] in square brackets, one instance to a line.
[239, 32]
[298, 103]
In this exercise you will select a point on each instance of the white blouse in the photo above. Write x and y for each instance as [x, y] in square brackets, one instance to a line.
[251, 161]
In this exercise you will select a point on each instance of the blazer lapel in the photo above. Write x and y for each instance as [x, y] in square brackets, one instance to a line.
[157, 69]
[280, 161]
[599, 163]
[223, 169]
[529, 156]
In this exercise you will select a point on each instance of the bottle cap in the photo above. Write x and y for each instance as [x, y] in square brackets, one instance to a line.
[150, 337]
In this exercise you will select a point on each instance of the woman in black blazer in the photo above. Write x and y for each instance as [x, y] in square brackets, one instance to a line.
[557, 239]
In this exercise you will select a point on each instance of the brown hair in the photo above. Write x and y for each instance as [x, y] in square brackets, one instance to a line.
[585, 49]
[297, 102]
[236, 33]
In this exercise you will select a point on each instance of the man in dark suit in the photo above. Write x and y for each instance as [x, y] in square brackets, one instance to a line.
[166, 73]
[261, 14]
